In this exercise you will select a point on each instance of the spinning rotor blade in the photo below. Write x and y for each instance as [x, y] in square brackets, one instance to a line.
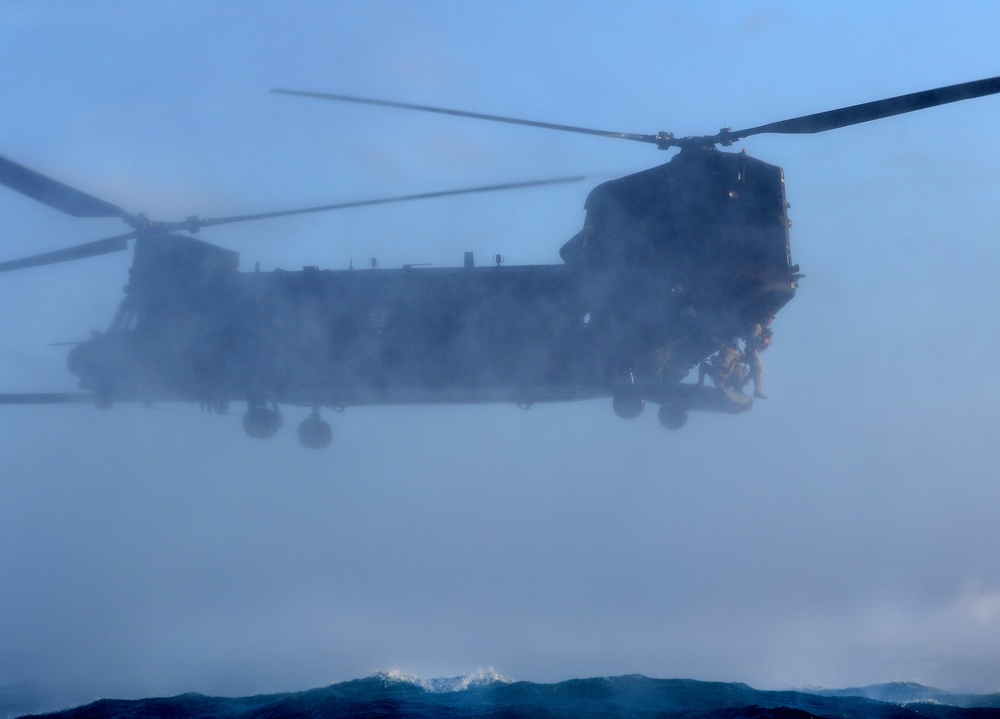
[807, 124]
[77, 252]
[193, 224]
[476, 115]
[866, 112]
[209, 222]
[55, 194]
[48, 398]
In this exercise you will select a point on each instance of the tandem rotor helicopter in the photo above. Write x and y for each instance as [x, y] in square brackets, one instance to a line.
[672, 266]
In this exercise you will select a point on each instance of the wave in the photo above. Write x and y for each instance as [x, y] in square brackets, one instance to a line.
[479, 678]
[487, 694]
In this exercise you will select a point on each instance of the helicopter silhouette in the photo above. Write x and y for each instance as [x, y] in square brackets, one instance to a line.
[672, 265]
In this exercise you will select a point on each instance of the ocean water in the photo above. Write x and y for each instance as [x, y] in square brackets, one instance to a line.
[487, 694]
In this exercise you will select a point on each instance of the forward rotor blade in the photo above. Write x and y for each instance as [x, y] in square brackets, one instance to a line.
[866, 112]
[463, 113]
[48, 398]
[209, 222]
[56, 194]
[77, 252]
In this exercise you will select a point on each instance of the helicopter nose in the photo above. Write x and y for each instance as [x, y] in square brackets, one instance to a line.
[75, 359]
[83, 358]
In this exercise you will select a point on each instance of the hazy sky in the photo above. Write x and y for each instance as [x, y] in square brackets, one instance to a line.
[842, 533]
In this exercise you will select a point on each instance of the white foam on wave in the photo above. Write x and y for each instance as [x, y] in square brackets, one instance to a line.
[479, 678]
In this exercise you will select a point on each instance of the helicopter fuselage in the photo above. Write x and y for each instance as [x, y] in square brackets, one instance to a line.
[671, 262]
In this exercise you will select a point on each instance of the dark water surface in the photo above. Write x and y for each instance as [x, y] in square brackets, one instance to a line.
[389, 695]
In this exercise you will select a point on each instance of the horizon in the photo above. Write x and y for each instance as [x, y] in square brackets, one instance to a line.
[13, 697]
[490, 675]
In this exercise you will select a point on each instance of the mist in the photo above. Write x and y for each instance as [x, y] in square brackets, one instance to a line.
[842, 533]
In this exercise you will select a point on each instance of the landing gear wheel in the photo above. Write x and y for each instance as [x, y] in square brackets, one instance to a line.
[672, 416]
[627, 405]
[314, 433]
[261, 422]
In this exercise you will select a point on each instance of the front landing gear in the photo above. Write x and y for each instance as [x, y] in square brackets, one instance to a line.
[261, 421]
[314, 433]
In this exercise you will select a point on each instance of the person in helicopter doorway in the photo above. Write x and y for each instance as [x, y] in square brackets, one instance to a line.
[725, 368]
[758, 339]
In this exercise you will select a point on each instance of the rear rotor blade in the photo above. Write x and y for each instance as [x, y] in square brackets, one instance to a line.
[807, 124]
[866, 112]
[56, 194]
[463, 113]
[77, 252]
[209, 222]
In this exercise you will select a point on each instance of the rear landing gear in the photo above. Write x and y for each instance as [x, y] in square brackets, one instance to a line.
[627, 402]
[672, 416]
[627, 405]
[261, 421]
[314, 433]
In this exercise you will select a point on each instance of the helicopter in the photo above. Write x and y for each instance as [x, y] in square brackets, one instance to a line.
[673, 265]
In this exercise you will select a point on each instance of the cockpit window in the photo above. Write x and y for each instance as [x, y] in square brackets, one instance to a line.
[125, 318]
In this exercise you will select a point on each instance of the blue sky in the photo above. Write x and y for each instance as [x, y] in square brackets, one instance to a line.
[842, 533]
